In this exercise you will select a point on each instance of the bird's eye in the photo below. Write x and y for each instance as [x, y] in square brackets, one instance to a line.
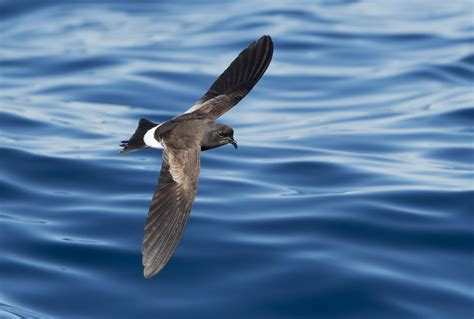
[221, 134]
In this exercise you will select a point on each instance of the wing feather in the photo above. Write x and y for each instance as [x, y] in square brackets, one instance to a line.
[170, 207]
[237, 80]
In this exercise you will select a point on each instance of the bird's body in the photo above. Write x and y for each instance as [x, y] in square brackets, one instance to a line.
[182, 139]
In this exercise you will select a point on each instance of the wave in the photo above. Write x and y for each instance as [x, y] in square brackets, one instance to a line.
[350, 195]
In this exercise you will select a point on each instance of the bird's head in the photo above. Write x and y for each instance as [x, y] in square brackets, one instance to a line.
[218, 135]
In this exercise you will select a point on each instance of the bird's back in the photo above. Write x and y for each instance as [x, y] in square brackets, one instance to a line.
[182, 132]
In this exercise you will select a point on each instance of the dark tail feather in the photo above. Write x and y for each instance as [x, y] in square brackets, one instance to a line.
[136, 141]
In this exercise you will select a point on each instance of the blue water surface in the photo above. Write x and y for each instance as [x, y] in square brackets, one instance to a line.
[350, 196]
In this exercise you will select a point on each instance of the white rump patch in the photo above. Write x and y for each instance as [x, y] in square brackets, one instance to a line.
[150, 140]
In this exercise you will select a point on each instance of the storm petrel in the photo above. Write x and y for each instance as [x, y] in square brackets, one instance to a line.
[182, 139]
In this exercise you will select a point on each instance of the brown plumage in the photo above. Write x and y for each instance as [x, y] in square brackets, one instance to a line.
[182, 139]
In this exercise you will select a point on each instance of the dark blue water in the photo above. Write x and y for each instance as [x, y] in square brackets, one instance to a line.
[350, 196]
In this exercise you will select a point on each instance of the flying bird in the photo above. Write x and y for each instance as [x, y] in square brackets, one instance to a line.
[182, 139]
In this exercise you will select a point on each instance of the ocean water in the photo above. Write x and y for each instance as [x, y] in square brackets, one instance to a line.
[350, 196]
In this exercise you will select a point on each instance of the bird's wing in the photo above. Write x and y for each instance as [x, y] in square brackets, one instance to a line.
[237, 80]
[170, 207]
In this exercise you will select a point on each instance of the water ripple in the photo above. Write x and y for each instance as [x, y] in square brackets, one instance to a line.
[350, 195]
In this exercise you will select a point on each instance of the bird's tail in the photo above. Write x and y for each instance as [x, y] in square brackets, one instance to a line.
[136, 142]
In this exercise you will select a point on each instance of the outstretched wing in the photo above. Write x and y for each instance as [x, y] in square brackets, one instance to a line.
[237, 80]
[170, 207]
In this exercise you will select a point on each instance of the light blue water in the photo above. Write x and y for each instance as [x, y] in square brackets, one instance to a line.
[350, 196]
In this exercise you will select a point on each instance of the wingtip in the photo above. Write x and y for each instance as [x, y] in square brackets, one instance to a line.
[266, 42]
[149, 271]
[266, 37]
[147, 274]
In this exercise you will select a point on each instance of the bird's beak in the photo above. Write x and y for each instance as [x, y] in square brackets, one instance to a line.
[233, 142]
